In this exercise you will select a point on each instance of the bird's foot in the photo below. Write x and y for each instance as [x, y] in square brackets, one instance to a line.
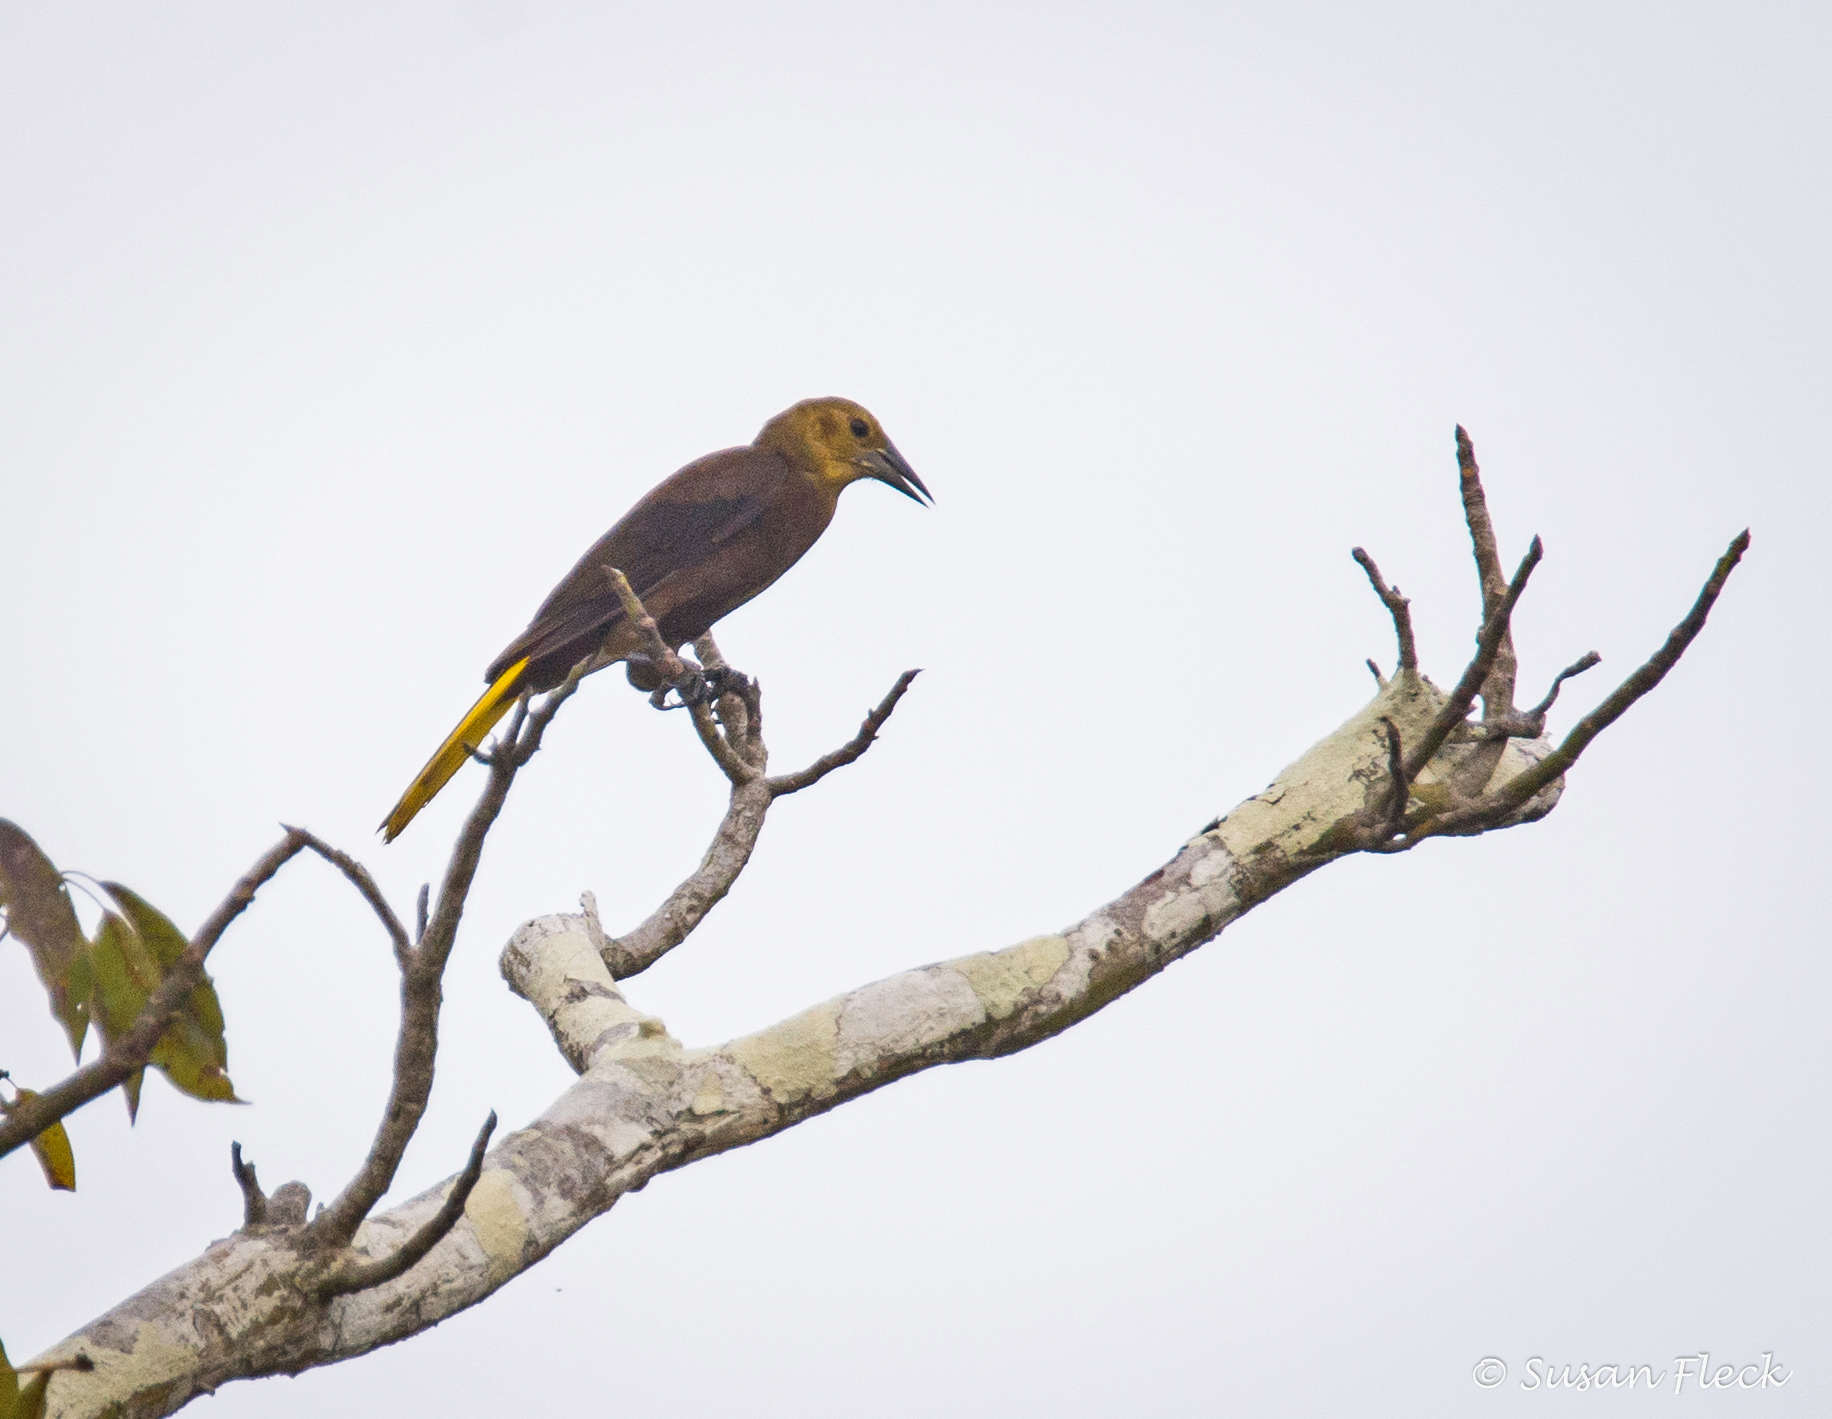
[689, 686]
[643, 673]
[722, 680]
[696, 685]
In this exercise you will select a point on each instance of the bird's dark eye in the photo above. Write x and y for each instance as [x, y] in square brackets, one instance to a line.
[860, 428]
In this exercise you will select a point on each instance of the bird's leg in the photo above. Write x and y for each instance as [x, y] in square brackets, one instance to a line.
[642, 672]
[723, 680]
[691, 686]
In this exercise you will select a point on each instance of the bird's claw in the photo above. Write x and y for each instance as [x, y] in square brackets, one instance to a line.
[694, 686]
[723, 680]
[690, 687]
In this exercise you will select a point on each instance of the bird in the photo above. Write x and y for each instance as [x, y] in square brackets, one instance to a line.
[697, 546]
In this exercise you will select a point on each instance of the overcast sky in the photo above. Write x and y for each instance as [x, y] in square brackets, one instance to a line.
[331, 334]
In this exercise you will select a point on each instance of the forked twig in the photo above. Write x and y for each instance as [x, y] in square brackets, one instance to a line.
[852, 749]
[1516, 791]
[351, 1277]
[1488, 646]
[423, 968]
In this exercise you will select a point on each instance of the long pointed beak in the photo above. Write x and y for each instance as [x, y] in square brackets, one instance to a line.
[889, 466]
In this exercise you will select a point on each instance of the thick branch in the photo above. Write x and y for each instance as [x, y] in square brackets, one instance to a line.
[645, 1105]
[26, 1120]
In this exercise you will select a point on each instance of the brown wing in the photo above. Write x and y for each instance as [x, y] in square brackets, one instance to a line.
[679, 523]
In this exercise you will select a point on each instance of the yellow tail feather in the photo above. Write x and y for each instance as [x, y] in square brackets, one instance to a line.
[455, 750]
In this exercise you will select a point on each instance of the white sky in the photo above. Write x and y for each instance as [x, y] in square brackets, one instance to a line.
[331, 334]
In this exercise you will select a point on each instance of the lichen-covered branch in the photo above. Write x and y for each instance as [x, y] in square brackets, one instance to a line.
[645, 1104]
[1409, 765]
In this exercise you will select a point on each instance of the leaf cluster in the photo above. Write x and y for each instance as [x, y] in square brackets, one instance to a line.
[106, 980]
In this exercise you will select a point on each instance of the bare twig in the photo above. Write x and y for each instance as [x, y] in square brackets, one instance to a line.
[1488, 646]
[77, 1364]
[1521, 788]
[1498, 690]
[133, 1049]
[254, 1201]
[1395, 816]
[730, 762]
[675, 919]
[673, 669]
[347, 1280]
[419, 912]
[670, 664]
[731, 847]
[1399, 608]
[417, 1040]
[360, 879]
[1530, 724]
[850, 751]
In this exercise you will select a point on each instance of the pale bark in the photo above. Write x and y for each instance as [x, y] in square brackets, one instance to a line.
[277, 1297]
[645, 1104]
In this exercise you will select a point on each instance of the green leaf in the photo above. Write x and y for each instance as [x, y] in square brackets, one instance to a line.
[122, 974]
[192, 1053]
[18, 1403]
[39, 913]
[52, 1148]
[30, 1403]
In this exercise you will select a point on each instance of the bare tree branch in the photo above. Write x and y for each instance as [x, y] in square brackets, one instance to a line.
[1400, 609]
[422, 970]
[1488, 646]
[359, 878]
[254, 1201]
[26, 1120]
[675, 919]
[1498, 689]
[730, 762]
[1650, 674]
[350, 1277]
[852, 749]
[1530, 724]
[267, 1301]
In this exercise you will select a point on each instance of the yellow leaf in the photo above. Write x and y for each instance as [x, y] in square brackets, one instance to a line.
[52, 1148]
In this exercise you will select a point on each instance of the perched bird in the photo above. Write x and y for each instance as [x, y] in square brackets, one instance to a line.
[701, 543]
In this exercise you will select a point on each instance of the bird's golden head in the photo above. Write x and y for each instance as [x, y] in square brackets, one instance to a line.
[839, 442]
